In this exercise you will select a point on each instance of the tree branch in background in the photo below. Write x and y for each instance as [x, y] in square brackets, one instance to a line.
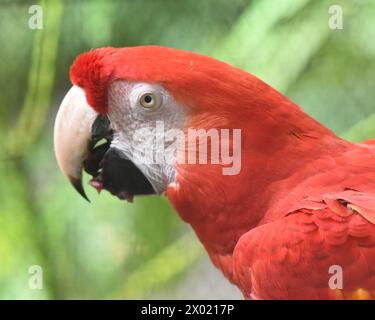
[40, 80]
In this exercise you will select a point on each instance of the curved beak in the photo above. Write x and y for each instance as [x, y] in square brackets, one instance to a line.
[72, 135]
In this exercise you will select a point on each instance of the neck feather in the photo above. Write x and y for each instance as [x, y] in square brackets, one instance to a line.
[279, 141]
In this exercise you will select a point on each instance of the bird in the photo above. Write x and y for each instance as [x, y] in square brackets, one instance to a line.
[284, 208]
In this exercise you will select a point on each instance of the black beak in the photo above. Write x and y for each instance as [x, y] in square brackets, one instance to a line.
[77, 184]
[121, 177]
[109, 167]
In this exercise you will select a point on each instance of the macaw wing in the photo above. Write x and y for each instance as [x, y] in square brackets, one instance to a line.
[296, 257]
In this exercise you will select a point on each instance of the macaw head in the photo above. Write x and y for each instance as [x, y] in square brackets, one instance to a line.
[123, 100]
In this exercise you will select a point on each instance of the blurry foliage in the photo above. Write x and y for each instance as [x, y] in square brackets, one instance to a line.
[111, 249]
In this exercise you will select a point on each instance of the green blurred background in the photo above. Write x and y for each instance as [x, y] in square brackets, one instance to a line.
[111, 249]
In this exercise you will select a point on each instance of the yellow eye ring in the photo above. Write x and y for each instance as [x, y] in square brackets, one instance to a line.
[148, 100]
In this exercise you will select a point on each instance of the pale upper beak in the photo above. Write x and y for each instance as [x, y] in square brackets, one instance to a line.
[72, 135]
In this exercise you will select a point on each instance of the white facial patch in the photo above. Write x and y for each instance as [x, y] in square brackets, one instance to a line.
[144, 117]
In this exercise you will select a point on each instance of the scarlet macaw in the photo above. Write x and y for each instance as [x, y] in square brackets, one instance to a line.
[302, 202]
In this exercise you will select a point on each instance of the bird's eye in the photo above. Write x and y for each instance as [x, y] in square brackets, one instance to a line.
[149, 100]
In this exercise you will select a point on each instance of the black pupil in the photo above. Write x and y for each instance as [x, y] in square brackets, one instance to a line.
[148, 99]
